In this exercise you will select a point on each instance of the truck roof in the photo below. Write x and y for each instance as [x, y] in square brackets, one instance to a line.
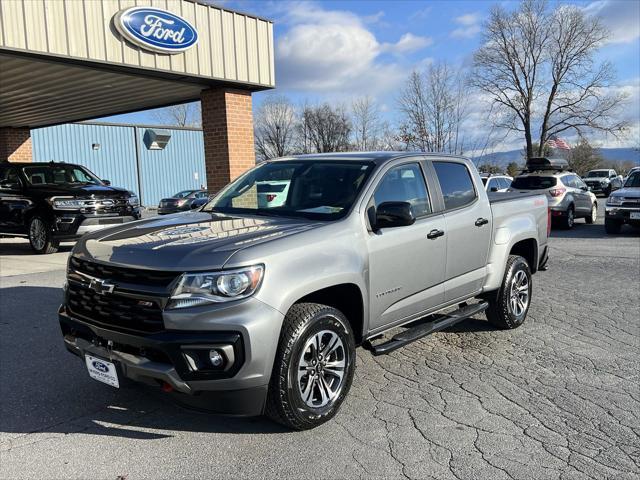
[378, 158]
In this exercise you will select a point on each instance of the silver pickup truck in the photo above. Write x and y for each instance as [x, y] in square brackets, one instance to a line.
[249, 306]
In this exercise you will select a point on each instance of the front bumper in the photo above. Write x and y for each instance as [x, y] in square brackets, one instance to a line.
[622, 214]
[250, 329]
[71, 225]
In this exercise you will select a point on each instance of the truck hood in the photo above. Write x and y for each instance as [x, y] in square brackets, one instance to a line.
[628, 192]
[82, 191]
[185, 241]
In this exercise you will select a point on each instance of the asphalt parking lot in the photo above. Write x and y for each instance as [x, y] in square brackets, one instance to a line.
[557, 398]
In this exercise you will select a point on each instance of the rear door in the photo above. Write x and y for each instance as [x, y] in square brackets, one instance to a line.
[581, 196]
[468, 222]
[406, 267]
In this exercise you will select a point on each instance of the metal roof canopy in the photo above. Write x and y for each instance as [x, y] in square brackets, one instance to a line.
[37, 92]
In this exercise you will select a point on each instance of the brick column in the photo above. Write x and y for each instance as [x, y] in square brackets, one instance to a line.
[15, 145]
[227, 124]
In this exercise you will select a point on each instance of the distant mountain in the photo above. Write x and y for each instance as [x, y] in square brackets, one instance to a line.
[502, 159]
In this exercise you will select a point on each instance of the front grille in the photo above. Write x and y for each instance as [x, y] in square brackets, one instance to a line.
[631, 203]
[113, 310]
[123, 274]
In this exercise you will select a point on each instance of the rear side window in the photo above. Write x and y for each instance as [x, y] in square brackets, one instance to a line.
[504, 182]
[455, 183]
[534, 183]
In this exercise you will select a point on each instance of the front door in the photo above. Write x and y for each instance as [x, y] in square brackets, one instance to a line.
[468, 222]
[406, 266]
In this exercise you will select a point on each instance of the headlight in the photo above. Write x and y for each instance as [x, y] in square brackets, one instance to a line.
[133, 201]
[613, 200]
[201, 288]
[604, 182]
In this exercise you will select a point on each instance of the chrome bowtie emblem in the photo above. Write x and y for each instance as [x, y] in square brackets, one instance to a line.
[101, 287]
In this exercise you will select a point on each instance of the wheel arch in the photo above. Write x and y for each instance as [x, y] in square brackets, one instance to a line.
[528, 249]
[346, 297]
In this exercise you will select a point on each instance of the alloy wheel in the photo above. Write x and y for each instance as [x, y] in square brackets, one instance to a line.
[594, 213]
[38, 234]
[519, 293]
[321, 369]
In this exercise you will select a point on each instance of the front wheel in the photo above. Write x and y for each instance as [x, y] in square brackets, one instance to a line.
[612, 226]
[508, 308]
[40, 236]
[313, 368]
[594, 214]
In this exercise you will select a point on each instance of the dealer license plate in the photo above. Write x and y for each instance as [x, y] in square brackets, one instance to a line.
[102, 371]
[634, 215]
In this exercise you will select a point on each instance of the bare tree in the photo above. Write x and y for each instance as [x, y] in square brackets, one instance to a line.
[323, 128]
[433, 106]
[275, 123]
[183, 115]
[537, 66]
[365, 118]
[584, 157]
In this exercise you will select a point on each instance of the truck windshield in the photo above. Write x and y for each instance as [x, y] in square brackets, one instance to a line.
[598, 173]
[533, 183]
[633, 180]
[59, 174]
[323, 190]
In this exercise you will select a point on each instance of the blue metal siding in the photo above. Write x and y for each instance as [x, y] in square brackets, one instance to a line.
[180, 166]
[163, 172]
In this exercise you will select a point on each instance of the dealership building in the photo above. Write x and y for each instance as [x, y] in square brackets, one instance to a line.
[69, 61]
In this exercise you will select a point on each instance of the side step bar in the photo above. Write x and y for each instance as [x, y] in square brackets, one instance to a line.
[415, 333]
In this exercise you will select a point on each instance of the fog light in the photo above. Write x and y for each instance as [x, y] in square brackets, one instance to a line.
[216, 359]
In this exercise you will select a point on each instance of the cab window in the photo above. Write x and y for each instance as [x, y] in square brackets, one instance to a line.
[404, 183]
[455, 183]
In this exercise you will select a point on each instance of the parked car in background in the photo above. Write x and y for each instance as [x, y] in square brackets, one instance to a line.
[496, 183]
[248, 309]
[53, 202]
[272, 193]
[623, 206]
[183, 201]
[569, 197]
[603, 181]
[634, 169]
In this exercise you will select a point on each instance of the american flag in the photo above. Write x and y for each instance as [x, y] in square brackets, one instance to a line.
[555, 142]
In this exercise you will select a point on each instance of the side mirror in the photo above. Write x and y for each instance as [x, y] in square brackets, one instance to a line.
[585, 188]
[106, 182]
[394, 214]
[10, 186]
[493, 189]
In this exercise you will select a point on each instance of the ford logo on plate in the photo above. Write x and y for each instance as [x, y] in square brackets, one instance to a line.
[156, 29]
[100, 366]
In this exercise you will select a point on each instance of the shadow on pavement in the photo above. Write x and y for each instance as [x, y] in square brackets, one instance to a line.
[594, 231]
[23, 248]
[45, 388]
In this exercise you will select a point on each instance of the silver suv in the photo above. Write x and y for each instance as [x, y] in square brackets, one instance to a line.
[569, 197]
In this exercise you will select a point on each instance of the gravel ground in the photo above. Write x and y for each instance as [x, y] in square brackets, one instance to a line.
[557, 398]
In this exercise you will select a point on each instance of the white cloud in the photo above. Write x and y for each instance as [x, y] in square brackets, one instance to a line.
[622, 18]
[408, 43]
[333, 51]
[469, 26]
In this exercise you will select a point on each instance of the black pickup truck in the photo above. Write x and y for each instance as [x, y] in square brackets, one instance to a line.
[53, 202]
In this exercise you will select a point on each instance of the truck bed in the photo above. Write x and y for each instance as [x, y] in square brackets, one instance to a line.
[495, 197]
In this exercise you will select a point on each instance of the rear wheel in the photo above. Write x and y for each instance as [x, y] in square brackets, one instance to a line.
[508, 308]
[569, 219]
[314, 367]
[612, 226]
[594, 214]
[40, 236]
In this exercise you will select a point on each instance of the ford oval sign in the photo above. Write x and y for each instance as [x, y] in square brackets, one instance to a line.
[156, 29]
[100, 366]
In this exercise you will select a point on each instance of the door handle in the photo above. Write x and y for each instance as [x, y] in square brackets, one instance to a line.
[481, 221]
[435, 233]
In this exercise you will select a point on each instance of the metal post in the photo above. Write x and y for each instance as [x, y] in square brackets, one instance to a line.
[136, 139]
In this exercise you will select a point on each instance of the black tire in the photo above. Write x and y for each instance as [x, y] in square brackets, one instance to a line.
[302, 324]
[500, 312]
[568, 220]
[612, 226]
[591, 218]
[40, 236]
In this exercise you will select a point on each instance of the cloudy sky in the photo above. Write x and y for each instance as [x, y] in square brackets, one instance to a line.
[335, 51]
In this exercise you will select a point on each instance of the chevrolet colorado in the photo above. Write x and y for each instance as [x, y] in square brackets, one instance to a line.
[250, 308]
